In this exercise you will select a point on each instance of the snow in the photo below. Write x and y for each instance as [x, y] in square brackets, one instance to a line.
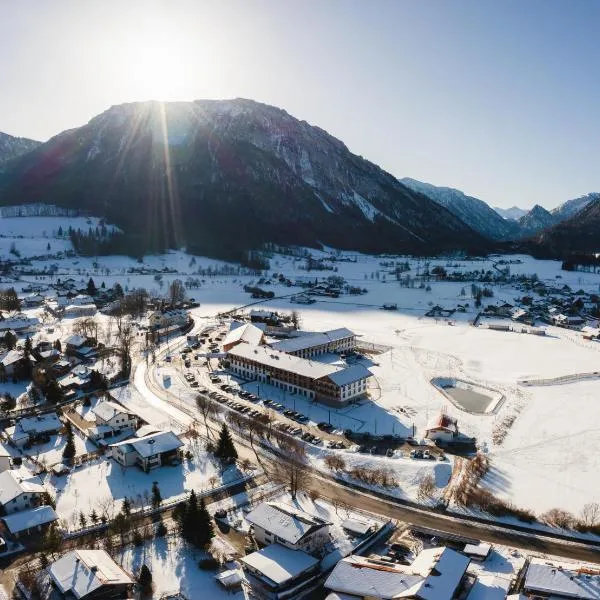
[27, 519]
[280, 564]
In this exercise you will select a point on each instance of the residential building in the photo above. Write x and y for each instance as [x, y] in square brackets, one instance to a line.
[112, 418]
[29, 522]
[240, 333]
[12, 363]
[330, 384]
[436, 574]
[30, 429]
[274, 570]
[89, 574]
[273, 522]
[561, 580]
[4, 459]
[148, 452]
[312, 344]
[161, 319]
[21, 324]
[20, 490]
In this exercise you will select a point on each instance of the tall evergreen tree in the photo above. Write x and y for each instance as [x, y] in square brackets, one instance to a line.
[156, 497]
[225, 447]
[91, 288]
[69, 449]
[204, 526]
[145, 581]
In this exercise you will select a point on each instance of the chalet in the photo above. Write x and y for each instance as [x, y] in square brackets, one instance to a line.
[243, 333]
[80, 310]
[436, 574]
[4, 459]
[29, 522]
[80, 347]
[273, 522]
[21, 324]
[442, 428]
[20, 490]
[264, 316]
[78, 379]
[148, 452]
[32, 300]
[302, 299]
[93, 574]
[520, 315]
[275, 570]
[12, 363]
[31, 429]
[315, 344]
[569, 321]
[112, 418]
[330, 384]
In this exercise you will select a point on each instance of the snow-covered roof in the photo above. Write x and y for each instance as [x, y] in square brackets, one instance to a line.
[145, 430]
[27, 519]
[75, 340]
[153, 444]
[81, 572]
[18, 323]
[40, 424]
[106, 410]
[15, 482]
[16, 434]
[3, 451]
[304, 342]
[11, 357]
[350, 374]
[434, 575]
[248, 333]
[363, 577]
[480, 549]
[285, 522]
[357, 527]
[561, 581]
[280, 564]
[443, 421]
[230, 578]
[489, 587]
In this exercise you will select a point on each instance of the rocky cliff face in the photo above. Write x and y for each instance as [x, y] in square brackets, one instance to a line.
[12, 147]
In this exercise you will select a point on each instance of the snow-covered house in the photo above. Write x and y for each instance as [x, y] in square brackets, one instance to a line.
[274, 570]
[20, 490]
[148, 452]
[561, 580]
[112, 418]
[29, 429]
[89, 574]
[442, 428]
[28, 522]
[32, 300]
[273, 522]
[80, 347]
[436, 574]
[160, 319]
[11, 362]
[243, 333]
[4, 459]
[20, 323]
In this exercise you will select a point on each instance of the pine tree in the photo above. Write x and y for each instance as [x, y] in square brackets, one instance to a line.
[145, 580]
[53, 392]
[91, 288]
[225, 447]
[94, 516]
[69, 449]
[156, 497]
[126, 507]
[57, 345]
[204, 526]
[28, 347]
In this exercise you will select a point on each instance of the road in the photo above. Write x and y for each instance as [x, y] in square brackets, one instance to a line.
[327, 487]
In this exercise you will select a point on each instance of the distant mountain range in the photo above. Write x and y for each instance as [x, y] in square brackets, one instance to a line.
[224, 177]
[12, 147]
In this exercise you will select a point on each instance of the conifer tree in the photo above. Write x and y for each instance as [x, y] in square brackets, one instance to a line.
[225, 447]
[69, 449]
[156, 497]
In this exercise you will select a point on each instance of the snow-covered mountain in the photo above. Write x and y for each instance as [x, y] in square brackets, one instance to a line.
[570, 208]
[536, 220]
[224, 176]
[514, 212]
[472, 211]
[11, 147]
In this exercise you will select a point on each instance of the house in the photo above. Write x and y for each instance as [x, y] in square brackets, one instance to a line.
[77, 379]
[312, 344]
[112, 418]
[21, 324]
[327, 383]
[74, 342]
[148, 452]
[274, 570]
[4, 459]
[243, 333]
[32, 300]
[12, 363]
[89, 574]
[161, 319]
[20, 490]
[478, 551]
[80, 347]
[436, 574]
[442, 428]
[273, 522]
[31, 429]
[80, 310]
[232, 579]
[520, 315]
[29, 522]
[561, 580]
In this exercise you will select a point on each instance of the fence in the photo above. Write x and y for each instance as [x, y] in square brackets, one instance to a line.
[561, 379]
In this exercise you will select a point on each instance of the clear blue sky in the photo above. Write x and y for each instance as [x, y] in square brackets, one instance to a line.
[498, 98]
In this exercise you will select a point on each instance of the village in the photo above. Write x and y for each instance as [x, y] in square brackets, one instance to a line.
[190, 412]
